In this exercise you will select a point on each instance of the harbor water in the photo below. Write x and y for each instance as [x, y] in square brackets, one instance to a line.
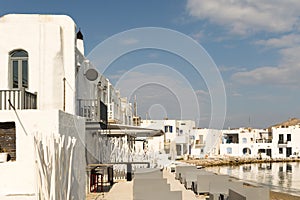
[281, 177]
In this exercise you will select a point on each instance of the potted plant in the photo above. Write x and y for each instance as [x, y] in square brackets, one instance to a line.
[3, 154]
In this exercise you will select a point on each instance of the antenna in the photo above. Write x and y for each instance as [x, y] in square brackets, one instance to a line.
[249, 122]
[135, 106]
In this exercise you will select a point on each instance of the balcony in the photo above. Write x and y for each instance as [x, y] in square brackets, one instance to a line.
[93, 110]
[199, 144]
[282, 143]
[19, 98]
[264, 140]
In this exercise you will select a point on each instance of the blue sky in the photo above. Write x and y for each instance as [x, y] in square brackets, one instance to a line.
[254, 44]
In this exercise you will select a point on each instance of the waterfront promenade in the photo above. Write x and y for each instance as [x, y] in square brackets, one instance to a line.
[124, 190]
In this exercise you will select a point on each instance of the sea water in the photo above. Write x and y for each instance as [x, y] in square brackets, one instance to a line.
[281, 177]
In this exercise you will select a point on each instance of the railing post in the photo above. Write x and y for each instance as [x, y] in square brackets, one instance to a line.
[129, 172]
[64, 99]
[79, 108]
[1, 100]
[22, 99]
[98, 104]
[35, 101]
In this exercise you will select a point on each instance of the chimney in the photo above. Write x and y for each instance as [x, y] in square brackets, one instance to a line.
[79, 42]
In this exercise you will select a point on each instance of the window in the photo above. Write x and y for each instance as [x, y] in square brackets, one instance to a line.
[169, 129]
[246, 151]
[18, 61]
[289, 137]
[280, 139]
[166, 129]
[8, 138]
[244, 140]
[280, 151]
[229, 150]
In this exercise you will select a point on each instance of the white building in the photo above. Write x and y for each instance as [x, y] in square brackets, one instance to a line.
[126, 112]
[177, 137]
[245, 142]
[206, 142]
[38, 76]
[278, 141]
[286, 140]
[60, 101]
[114, 105]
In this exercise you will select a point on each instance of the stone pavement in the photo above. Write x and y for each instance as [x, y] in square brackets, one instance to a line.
[124, 190]
[177, 186]
[121, 190]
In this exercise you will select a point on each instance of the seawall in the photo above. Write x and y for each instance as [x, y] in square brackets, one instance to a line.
[234, 161]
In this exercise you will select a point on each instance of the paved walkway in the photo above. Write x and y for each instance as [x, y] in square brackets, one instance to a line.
[121, 190]
[124, 190]
[177, 186]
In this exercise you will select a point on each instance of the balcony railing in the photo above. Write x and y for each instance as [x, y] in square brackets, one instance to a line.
[282, 142]
[263, 140]
[20, 99]
[89, 109]
[92, 110]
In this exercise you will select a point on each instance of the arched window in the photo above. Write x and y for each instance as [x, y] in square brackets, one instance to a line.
[18, 61]
[246, 151]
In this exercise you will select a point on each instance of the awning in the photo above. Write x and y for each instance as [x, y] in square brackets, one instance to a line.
[118, 130]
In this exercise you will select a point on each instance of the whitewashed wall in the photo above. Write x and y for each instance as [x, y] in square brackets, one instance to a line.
[20, 176]
[50, 43]
[294, 143]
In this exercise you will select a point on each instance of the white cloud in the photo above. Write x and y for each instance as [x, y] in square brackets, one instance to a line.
[285, 73]
[129, 41]
[198, 36]
[247, 16]
[236, 94]
[284, 41]
[278, 75]
[231, 68]
[203, 97]
[116, 75]
[202, 93]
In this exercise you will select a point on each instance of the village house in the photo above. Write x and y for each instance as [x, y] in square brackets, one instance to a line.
[205, 143]
[55, 109]
[245, 142]
[177, 138]
[286, 136]
[277, 141]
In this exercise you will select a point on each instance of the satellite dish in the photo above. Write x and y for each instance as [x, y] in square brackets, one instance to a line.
[91, 74]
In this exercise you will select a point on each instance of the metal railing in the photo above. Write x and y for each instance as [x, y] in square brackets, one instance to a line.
[19, 98]
[282, 142]
[93, 110]
[89, 109]
[263, 140]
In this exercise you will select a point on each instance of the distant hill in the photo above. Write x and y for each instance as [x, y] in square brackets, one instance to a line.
[290, 122]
